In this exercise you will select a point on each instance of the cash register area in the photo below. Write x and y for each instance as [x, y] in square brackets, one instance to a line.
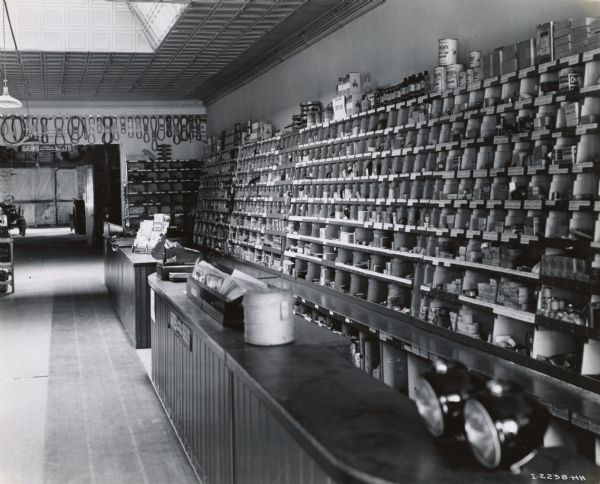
[76, 402]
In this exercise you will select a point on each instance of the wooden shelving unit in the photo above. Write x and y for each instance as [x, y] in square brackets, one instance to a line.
[214, 206]
[167, 187]
[440, 207]
[262, 195]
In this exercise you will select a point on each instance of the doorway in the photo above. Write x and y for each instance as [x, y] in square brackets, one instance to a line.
[77, 189]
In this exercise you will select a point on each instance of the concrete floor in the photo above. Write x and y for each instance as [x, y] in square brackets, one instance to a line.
[76, 403]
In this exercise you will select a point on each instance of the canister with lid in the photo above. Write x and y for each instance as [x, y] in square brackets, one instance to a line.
[447, 51]
[452, 75]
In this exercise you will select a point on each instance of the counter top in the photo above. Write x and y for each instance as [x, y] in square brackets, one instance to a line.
[356, 428]
[136, 258]
[580, 406]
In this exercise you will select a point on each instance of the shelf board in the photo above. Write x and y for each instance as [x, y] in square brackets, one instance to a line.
[571, 284]
[499, 310]
[551, 323]
[375, 275]
[532, 276]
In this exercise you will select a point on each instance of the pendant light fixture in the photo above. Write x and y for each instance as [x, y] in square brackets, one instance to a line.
[6, 100]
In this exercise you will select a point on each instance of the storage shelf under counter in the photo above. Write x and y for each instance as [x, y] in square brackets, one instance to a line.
[299, 412]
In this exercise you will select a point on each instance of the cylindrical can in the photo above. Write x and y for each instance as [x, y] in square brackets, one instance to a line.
[439, 79]
[477, 74]
[591, 73]
[452, 73]
[268, 317]
[475, 58]
[569, 79]
[447, 49]
[469, 74]
[462, 79]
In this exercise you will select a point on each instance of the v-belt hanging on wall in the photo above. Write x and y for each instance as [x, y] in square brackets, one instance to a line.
[86, 129]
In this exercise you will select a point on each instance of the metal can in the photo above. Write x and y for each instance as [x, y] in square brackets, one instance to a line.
[447, 50]
[469, 73]
[569, 79]
[452, 73]
[475, 58]
[439, 79]
[462, 79]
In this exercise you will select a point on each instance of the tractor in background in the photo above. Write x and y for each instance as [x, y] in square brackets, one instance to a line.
[14, 214]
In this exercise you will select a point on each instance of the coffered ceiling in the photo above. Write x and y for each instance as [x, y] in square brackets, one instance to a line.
[138, 50]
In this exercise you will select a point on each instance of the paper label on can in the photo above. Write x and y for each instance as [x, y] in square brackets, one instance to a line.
[447, 51]
[475, 58]
[439, 79]
[452, 75]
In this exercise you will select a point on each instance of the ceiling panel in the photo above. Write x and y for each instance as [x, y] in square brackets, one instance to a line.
[211, 44]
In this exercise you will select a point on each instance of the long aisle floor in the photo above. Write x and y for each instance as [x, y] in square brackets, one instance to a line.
[76, 404]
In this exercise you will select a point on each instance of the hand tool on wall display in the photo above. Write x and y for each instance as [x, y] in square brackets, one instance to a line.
[122, 124]
[146, 123]
[99, 124]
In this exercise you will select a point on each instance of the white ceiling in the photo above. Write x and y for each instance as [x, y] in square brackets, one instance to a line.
[100, 50]
[75, 26]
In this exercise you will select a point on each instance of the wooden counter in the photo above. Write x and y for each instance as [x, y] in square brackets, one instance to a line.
[126, 278]
[297, 413]
[570, 397]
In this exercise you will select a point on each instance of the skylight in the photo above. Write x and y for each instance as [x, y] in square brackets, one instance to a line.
[157, 18]
[90, 25]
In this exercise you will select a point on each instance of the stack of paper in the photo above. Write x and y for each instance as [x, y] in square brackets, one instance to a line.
[231, 286]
